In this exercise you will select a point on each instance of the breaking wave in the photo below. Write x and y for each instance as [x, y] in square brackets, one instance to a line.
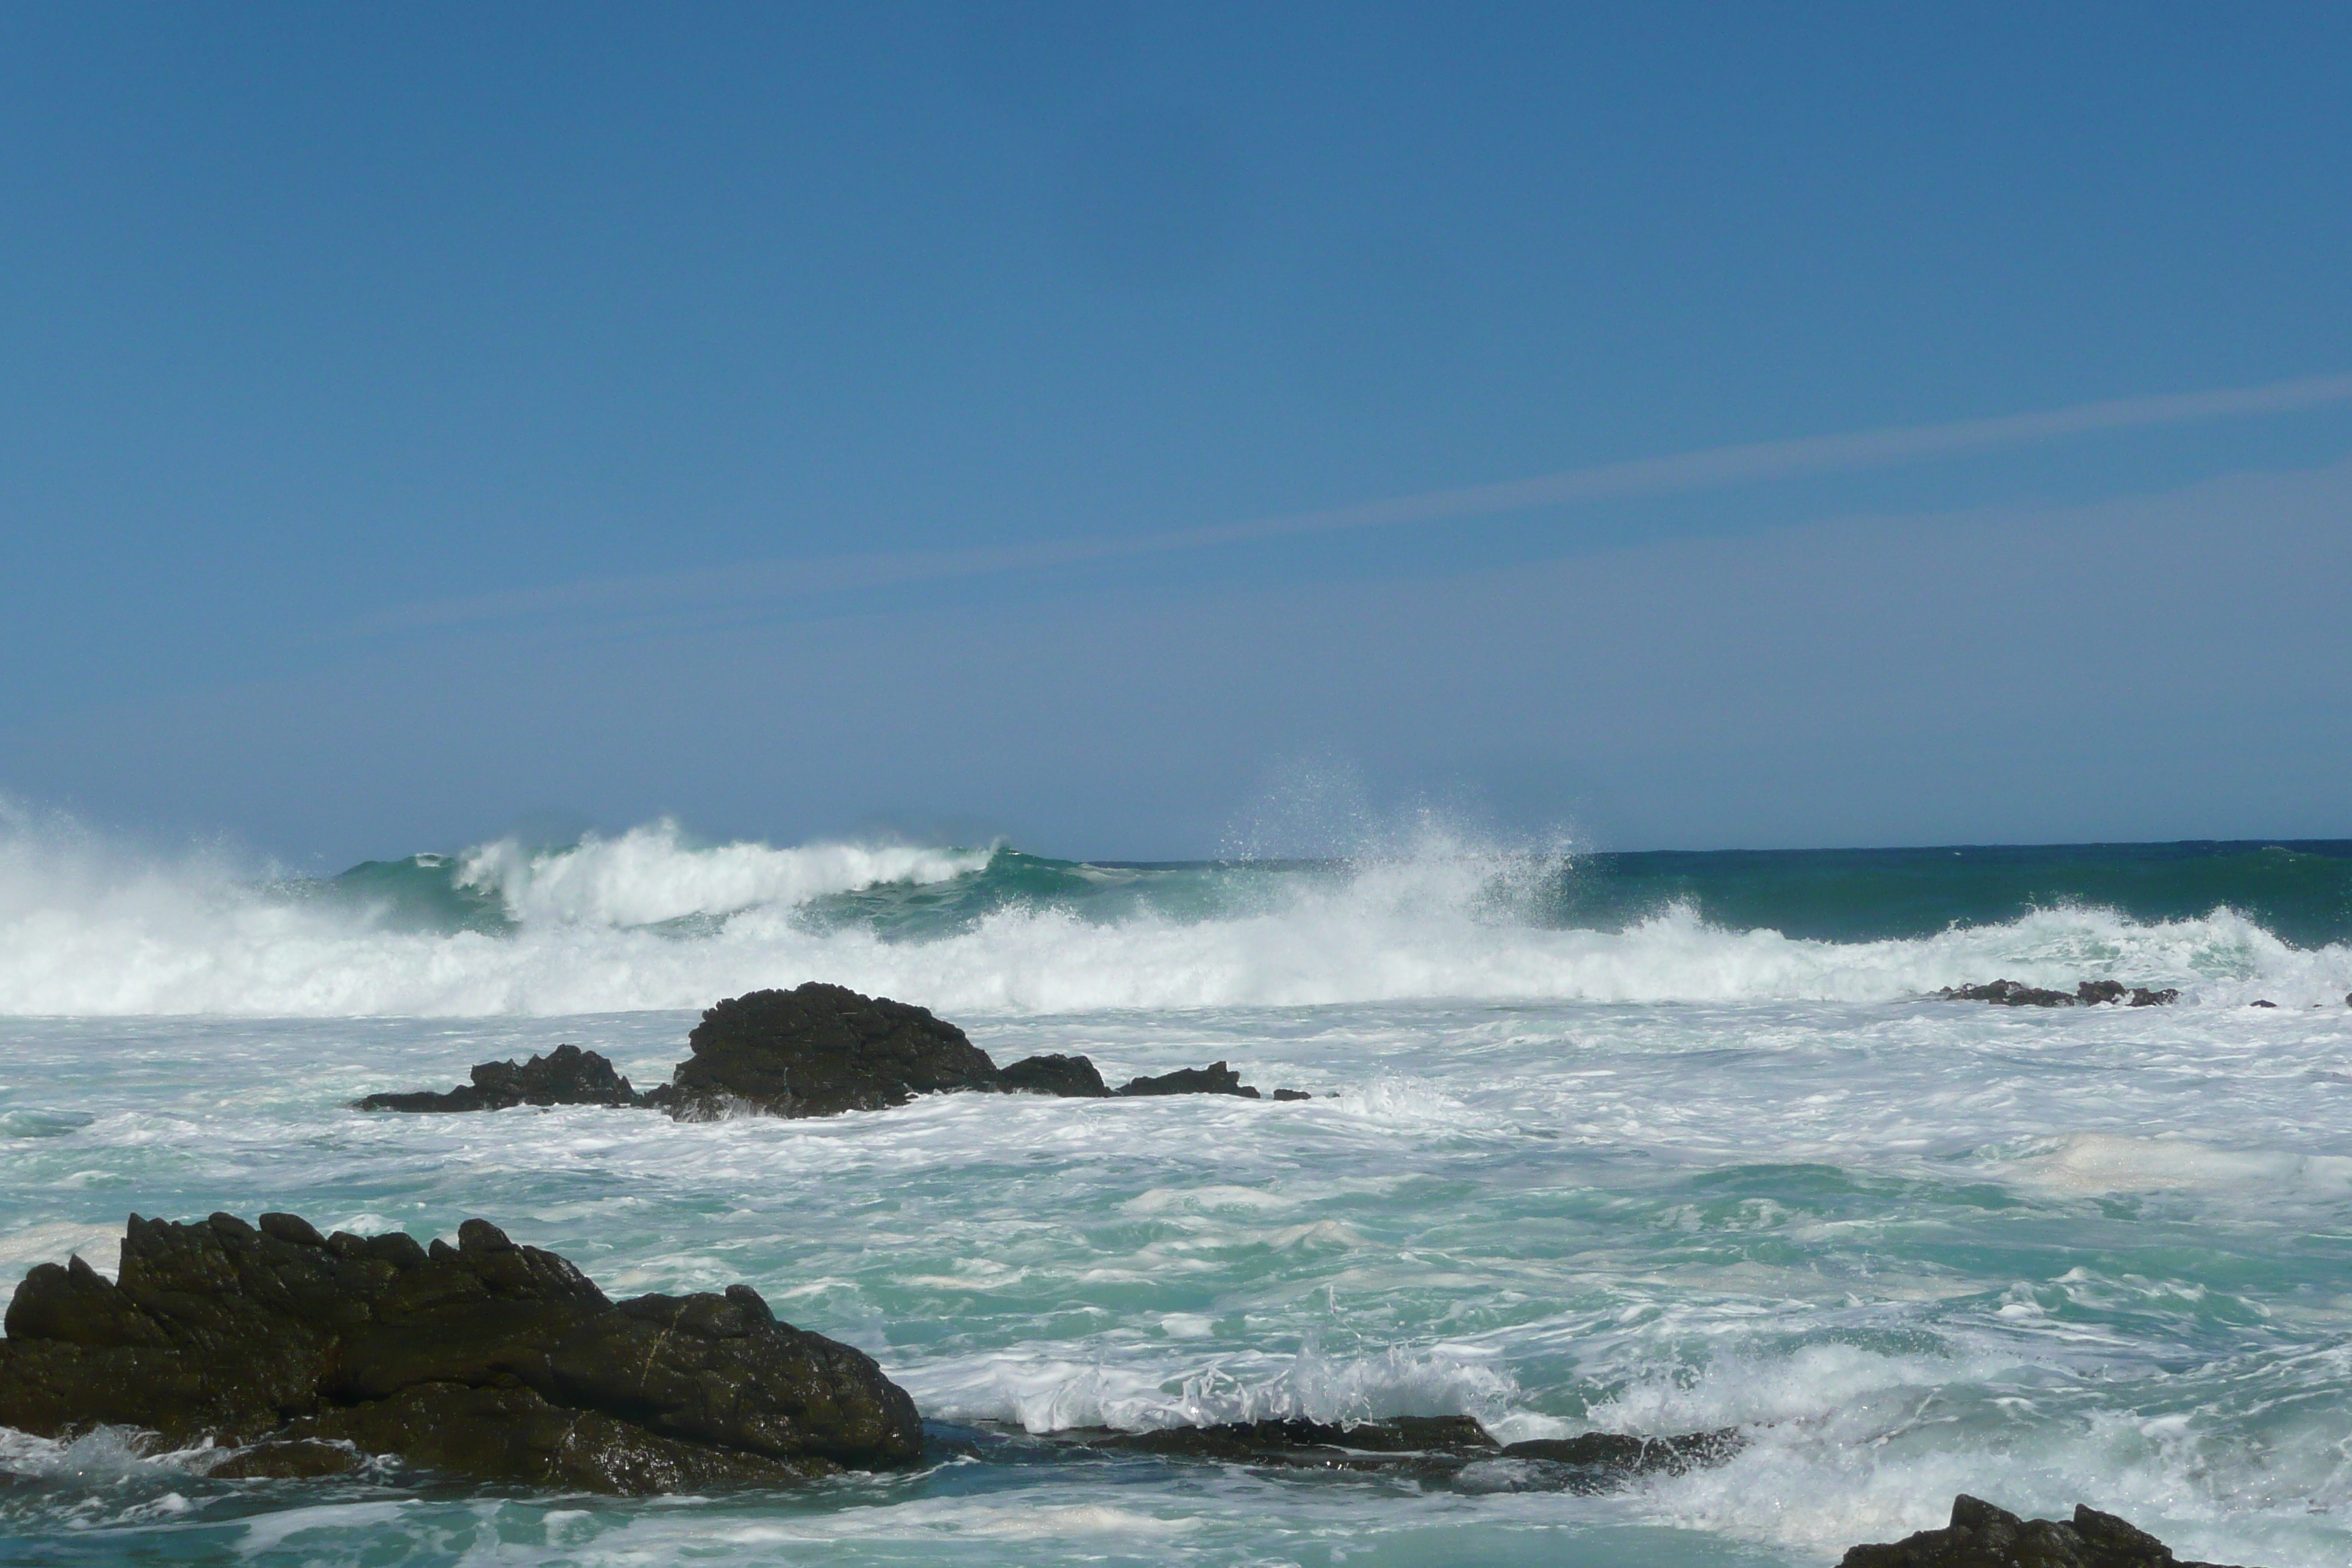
[651, 919]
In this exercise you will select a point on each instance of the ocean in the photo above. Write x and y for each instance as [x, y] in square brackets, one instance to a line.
[1636, 1142]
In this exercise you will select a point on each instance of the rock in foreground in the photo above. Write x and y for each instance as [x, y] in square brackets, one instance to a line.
[488, 1360]
[565, 1076]
[1983, 1536]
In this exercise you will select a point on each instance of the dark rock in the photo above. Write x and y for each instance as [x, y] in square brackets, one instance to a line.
[2008, 994]
[2086, 993]
[1214, 1078]
[1311, 1443]
[1073, 1078]
[289, 1459]
[497, 1362]
[2262, 1003]
[565, 1076]
[1983, 1536]
[1622, 1455]
[818, 1050]
[1292, 1094]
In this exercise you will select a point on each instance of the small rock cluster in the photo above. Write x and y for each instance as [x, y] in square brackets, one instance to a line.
[815, 1050]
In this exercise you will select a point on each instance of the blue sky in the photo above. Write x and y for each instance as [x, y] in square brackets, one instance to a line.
[419, 420]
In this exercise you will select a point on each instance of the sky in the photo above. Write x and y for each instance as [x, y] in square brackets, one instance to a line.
[1666, 427]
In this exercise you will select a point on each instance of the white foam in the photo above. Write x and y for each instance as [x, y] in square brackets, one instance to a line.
[1048, 1394]
[2091, 1162]
[651, 874]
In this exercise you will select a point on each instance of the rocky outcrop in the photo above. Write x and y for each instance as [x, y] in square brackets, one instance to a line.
[565, 1076]
[2088, 994]
[1071, 1077]
[815, 1050]
[1454, 1450]
[491, 1360]
[818, 1050]
[1983, 1536]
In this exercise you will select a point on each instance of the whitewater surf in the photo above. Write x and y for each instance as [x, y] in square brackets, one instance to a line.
[1622, 1143]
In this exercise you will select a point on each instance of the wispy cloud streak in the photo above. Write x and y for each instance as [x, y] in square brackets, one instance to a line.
[1709, 469]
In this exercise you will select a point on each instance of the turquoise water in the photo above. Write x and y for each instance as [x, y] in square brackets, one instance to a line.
[1621, 1163]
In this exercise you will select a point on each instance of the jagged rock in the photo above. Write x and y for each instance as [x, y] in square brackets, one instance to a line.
[2087, 994]
[493, 1361]
[818, 1050]
[1071, 1078]
[1447, 1449]
[1983, 1536]
[565, 1076]
[1214, 1078]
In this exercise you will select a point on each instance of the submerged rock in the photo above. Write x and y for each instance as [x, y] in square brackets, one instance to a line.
[490, 1361]
[565, 1076]
[820, 1050]
[1983, 1536]
[1071, 1078]
[1313, 1443]
[1450, 1450]
[1214, 1078]
[2087, 994]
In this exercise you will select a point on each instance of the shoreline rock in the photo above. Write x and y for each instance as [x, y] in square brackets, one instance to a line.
[488, 1360]
[2086, 993]
[1983, 1536]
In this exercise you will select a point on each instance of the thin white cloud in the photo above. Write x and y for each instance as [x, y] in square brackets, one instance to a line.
[1709, 469]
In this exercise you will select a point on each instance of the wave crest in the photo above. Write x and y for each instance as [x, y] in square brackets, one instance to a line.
[647, 920]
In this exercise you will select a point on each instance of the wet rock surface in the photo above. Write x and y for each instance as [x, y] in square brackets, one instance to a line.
[565, 1076]
[2087, 994]
[488, 1360]
[1983, 1536]
[1451, 1450]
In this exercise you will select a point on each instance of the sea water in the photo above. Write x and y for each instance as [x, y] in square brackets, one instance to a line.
[1650, 1145]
